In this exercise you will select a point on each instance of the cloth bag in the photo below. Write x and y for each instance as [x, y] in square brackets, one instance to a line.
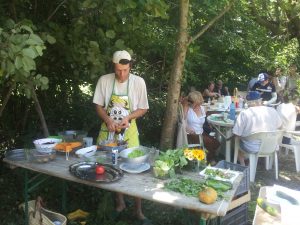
[181, 131]
[40, 216]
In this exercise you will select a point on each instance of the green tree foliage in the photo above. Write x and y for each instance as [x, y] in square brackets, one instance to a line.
[86, 33]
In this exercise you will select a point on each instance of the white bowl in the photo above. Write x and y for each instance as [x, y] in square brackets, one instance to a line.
[45, 145]
[87, 152]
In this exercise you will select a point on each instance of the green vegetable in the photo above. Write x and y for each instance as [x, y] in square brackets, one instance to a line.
[266, 207]
[287, 197]
[218, 173]
[167, 161]
[185, 186]
[219, 185]
[136, 153]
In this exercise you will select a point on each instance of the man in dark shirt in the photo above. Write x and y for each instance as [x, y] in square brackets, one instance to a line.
[265, 88]
[220, 89]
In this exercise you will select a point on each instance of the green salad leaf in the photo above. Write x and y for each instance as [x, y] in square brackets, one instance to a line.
[135, 153]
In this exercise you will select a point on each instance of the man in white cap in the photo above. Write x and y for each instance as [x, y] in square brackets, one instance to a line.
[254, 119]
[120, 99]
[265, 88]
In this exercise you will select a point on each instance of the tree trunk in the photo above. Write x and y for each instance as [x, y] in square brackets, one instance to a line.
[40, 112]
[170, 117]
[6, 98]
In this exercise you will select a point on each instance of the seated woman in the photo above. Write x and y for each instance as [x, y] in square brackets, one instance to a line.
[288, 111]
[209, 93]
[195, 114]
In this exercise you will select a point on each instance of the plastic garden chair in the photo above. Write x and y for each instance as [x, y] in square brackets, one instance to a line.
[294, 146]
[268, 149]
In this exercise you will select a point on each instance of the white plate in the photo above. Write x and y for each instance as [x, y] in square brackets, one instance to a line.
[234, 174]
[132, 168]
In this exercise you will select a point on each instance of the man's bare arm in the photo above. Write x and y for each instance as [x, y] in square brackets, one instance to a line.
[133, 115]
[111, 125]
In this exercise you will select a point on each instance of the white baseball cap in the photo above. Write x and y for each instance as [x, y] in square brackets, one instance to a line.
[119, 55]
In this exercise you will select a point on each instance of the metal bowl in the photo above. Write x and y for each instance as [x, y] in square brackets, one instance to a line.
[72, 135]
[138, 160]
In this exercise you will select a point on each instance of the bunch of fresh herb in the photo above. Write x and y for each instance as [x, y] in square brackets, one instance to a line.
[185, 186]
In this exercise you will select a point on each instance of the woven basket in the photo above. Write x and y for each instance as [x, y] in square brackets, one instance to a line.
[40, 216]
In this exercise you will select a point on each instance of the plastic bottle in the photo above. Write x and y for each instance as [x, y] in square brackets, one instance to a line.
[209, 101]
[232, 111]
[241, 103]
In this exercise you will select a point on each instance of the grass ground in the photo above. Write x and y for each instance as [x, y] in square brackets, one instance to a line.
[100, 203]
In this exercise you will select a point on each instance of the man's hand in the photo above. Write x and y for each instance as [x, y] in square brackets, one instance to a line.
[111, 125]
[124, 123]
[265, 103]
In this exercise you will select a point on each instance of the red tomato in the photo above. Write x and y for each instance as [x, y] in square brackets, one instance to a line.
[100, 169]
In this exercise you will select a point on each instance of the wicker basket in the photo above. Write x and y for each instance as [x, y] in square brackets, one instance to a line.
[40, 216]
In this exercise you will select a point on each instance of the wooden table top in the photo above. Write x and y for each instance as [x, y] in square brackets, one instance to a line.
[143, 185]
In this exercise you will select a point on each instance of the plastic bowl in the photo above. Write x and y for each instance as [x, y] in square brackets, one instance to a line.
[43, 157]
[88, 151]
[45, 145]
[72, 135]
[138, 160]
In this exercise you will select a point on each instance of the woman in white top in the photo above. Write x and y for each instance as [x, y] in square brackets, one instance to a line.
[288, 113]
[195, 114]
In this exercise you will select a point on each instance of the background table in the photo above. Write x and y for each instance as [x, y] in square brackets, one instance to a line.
[227, 125]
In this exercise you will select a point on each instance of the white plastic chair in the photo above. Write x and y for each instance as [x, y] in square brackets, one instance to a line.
[294, 146]
[268, 148]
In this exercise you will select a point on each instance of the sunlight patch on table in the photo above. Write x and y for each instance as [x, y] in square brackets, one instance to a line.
[165, 197]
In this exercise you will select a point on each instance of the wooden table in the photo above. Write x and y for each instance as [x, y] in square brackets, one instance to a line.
[142, 185]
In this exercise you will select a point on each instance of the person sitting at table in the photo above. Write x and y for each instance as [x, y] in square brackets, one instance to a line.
[209, 93]
[254, 119]
[279, 82]
[251, 83]
[265, 88]
[288, 111]
[292, 78]
[220, 89]
[194, 114]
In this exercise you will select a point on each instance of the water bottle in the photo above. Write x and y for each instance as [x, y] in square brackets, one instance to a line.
[209, 101]
[232, 111]
[241, 103]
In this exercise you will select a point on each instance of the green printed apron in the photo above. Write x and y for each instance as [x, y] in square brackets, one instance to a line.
[119, 107]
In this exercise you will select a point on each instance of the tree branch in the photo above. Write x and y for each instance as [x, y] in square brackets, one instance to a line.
[273, 26]
[39, 110]
[207, 26]
[13, 10]
[55, 10]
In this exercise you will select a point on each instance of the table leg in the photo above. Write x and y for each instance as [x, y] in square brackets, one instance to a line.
[202, 221]
[26, 196]
[228, 145]
[64, 196]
